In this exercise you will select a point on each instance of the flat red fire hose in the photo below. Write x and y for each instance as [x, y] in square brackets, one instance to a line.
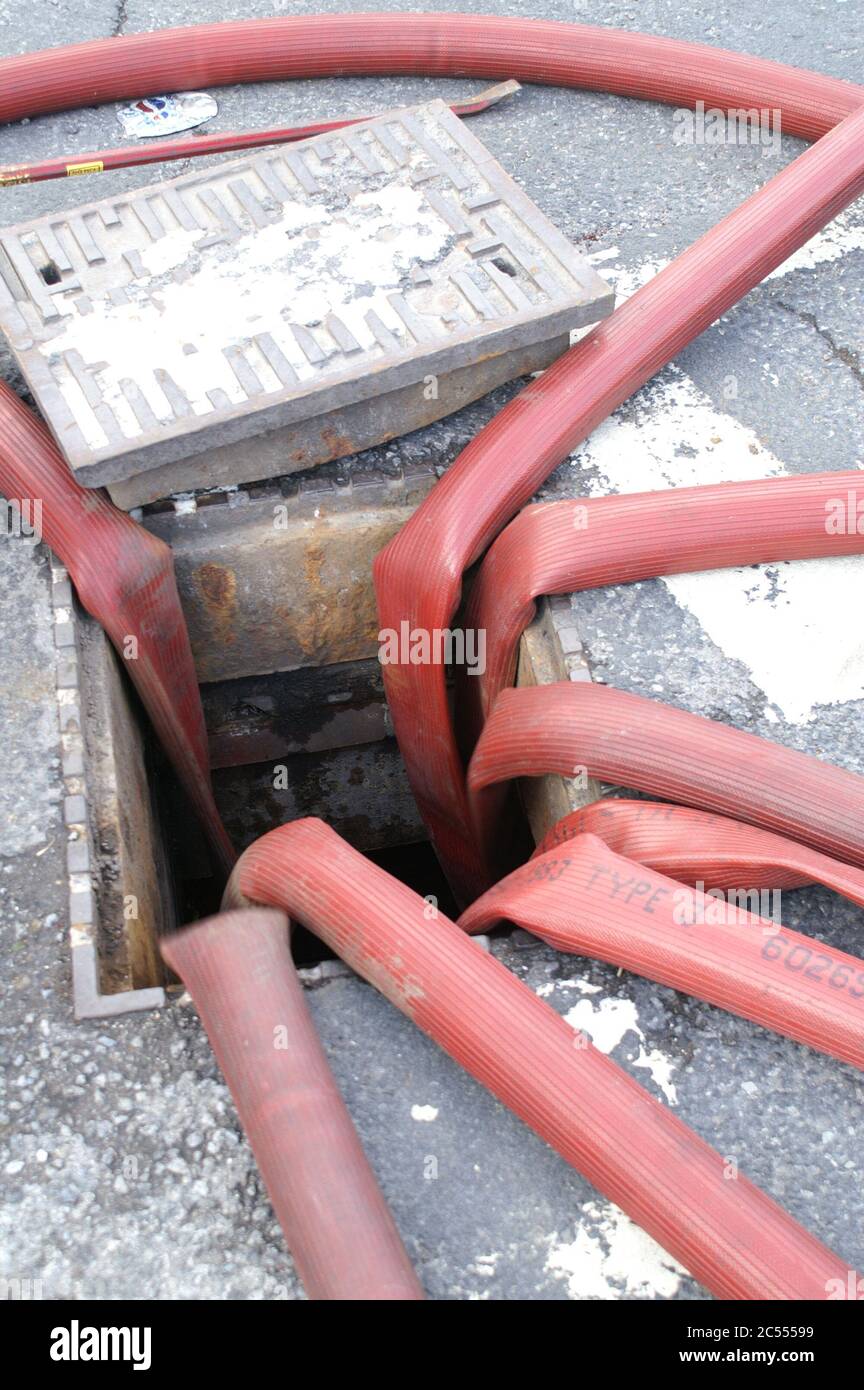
[339, 1229]
[560, 547]
[732, 1237]
[696, 847]
[641, 744]
[505, 463]
[419, 575]
[124, 576]
[582, 897]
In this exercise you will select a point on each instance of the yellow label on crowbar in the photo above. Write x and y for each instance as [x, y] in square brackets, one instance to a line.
[94, 167]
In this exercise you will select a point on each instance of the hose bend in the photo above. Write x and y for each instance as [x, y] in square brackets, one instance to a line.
[502, 467]
[583, 898]
[124, 577]
[698, 848]
[375, 44]
[561, 547]
[418, 576]
[733, 1238]
[646, 746]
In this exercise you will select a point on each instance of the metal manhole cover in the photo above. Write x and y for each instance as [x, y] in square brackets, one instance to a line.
[227, 304]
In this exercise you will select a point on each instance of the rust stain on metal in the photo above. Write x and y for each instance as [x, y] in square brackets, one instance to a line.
[313, 559]
[338, 444]
[217, 585]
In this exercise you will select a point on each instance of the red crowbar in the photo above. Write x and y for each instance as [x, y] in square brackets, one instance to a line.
[157, 151]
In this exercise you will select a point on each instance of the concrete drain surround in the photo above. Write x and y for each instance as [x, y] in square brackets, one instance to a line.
[312, 738]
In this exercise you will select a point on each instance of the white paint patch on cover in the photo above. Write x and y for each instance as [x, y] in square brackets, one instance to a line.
[611, 1255]
[424, 1113]
[255, 284]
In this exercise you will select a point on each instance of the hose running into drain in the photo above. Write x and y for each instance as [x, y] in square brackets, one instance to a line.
[124, 577]
[418, 576]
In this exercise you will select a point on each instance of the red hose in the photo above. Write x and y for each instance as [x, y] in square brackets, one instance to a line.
[559, 547]
[418, 576]
[585, 899]
[733, 1238]
[124, 577]
[505, 463]
[696, 847]
[650, 747]
[344, 1240]
[435, 45]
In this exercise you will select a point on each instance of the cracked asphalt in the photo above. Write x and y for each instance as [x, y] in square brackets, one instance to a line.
[124, 1171]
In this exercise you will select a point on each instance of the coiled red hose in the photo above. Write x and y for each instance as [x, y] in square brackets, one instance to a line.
[650, 747]
[339, 1229]
[733, 1238]
[583, 898]
[419, 575]
[696, 847]
[124, 577]
[559, 547]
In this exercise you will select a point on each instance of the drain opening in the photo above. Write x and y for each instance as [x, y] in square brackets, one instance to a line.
[50, 273]
[416, 866]
[151, 869]
[362, 791]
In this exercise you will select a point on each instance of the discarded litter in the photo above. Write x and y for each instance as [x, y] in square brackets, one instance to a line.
[166, 115]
